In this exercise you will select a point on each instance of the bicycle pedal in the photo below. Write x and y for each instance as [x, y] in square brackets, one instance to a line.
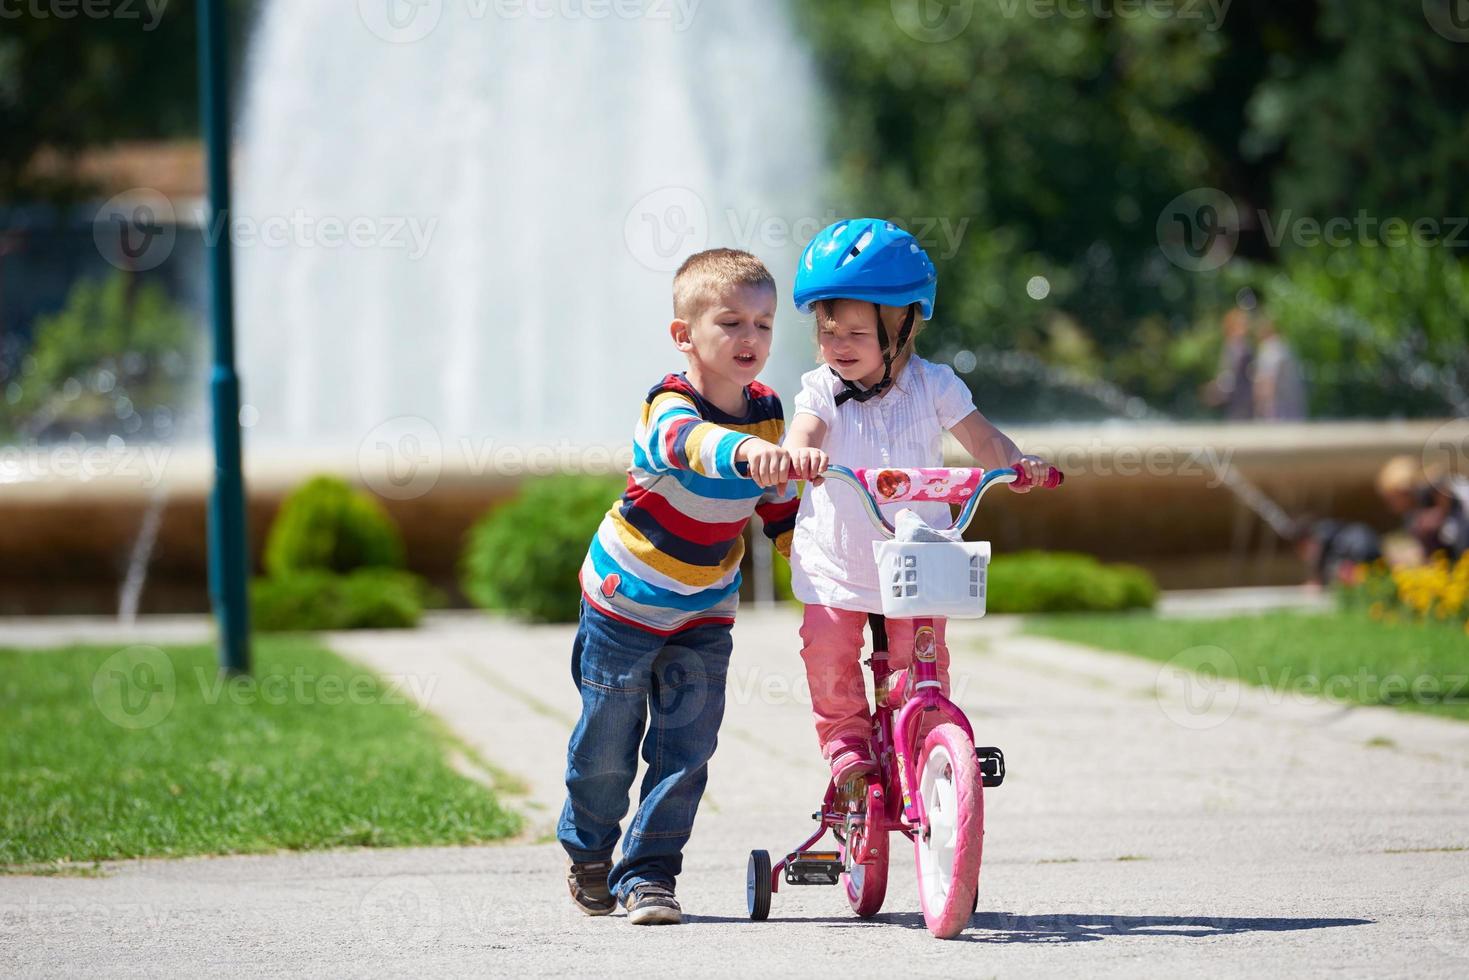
[991, 765]
[814, 868]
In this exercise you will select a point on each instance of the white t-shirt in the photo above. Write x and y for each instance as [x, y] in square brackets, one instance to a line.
[831, 553]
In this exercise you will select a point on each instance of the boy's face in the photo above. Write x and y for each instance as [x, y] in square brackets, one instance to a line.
[731, 338]
[849, 343]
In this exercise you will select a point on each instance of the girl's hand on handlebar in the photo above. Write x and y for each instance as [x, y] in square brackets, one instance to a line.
[808, 463]
[769, 464]
[1036, 472]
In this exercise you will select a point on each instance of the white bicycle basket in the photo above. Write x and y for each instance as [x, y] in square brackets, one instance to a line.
[932, 578]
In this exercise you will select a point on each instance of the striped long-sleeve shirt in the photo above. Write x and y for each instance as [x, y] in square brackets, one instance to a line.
[667, 555]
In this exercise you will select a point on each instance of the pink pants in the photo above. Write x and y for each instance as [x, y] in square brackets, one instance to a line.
[833, 650]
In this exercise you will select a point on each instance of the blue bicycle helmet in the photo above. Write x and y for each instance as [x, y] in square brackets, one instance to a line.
[872, 260]
[868, 259]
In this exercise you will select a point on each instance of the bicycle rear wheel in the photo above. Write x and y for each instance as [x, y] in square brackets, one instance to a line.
[948, 852]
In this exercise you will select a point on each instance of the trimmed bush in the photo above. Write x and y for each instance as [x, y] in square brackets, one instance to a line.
[370, 598]
[523, 557]
[325, 525]
[1037, 582]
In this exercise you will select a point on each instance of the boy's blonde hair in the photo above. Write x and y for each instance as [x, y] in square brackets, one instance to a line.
[1401, 474]
[705, 277]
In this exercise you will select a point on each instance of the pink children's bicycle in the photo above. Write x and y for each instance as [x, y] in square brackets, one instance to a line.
[931, 793]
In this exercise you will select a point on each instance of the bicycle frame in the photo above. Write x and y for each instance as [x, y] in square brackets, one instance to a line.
[895, 738]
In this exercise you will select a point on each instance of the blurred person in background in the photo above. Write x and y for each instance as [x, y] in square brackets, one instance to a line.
[1279, 391]
[1231, 388]
[1434, 506]
[1334, 550]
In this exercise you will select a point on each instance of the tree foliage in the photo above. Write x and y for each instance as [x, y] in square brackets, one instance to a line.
[69, 80]
[1049, 136]
[1062, 139]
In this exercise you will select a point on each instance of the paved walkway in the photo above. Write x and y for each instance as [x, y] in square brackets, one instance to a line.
[1149, 826]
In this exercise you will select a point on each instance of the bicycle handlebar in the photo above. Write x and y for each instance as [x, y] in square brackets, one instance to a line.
[964, 485]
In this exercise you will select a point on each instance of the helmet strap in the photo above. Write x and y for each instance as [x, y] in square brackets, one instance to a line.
[851, 391]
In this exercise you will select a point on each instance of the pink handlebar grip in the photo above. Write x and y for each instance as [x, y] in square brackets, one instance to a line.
[1054, 478]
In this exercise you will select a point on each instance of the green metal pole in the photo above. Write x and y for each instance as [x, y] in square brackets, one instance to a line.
[229, 556]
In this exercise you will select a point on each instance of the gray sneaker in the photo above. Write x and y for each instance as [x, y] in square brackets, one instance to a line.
[651, 903]
[588, 886]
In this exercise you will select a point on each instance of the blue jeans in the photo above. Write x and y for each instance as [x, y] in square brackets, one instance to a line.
[626, 674]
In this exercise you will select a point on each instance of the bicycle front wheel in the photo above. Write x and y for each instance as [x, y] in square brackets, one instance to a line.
[949, 848]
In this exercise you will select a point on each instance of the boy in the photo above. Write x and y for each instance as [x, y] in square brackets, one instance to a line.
[660, 585]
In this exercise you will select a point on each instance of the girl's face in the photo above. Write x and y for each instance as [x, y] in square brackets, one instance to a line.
[849, 343]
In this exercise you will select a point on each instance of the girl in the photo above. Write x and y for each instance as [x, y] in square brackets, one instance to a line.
[873, 403]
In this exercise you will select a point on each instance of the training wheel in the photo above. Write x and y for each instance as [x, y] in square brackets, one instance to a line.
[757, 885]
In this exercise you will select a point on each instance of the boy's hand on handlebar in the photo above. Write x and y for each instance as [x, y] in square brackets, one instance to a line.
[1036, 471]
[808, 463]
[769, 464]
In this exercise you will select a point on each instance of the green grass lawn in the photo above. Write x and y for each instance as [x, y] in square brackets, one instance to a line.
[1346, 656]
[144, 752]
